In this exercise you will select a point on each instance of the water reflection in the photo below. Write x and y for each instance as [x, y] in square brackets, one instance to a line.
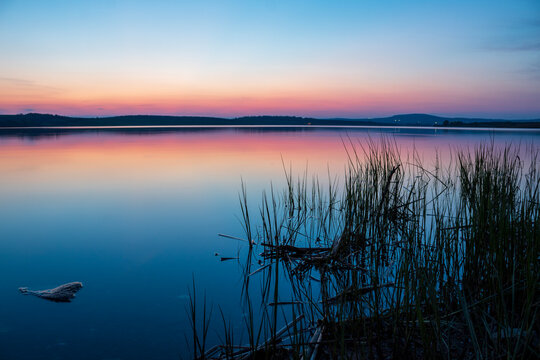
[134, 214]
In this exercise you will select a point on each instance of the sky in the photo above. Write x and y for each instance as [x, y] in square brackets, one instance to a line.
[317, 58]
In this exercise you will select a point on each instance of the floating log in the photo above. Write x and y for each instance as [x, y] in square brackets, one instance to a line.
[62, 293]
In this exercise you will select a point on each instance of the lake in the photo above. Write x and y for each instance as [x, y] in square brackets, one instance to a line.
[134, 214]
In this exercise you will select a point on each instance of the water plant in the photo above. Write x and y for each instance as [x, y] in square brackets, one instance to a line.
[401, 260]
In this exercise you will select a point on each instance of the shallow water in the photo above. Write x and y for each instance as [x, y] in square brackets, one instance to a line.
[134, 214]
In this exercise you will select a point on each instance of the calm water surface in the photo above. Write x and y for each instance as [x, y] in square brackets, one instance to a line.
[134, 215]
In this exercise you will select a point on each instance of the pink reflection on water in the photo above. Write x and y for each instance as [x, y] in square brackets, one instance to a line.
[96, 160]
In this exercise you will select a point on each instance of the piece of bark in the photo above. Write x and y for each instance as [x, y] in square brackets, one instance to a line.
[62, 293]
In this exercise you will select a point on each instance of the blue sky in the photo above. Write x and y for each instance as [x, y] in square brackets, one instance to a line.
[316, 58]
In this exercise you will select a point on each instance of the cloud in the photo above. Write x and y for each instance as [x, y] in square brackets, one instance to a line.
[515, 35]
[20, 85]
[532, 23]
[514, 46]
[533, 71]
[16, 81]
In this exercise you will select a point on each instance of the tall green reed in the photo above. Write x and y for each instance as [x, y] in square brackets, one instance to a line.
[400, 259]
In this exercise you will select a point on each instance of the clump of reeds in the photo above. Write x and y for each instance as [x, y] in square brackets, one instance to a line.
[401, 260]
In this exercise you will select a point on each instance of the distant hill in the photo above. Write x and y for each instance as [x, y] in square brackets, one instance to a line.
[47, 120]
[39, 120]
[433, 120]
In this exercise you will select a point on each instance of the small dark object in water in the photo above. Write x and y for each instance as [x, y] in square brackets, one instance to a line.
[62, 293]
[228, 258]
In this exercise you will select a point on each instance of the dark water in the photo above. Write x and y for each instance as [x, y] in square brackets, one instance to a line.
[135, 214]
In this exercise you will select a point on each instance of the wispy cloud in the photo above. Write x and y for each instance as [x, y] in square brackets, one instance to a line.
[16, 81]
[9, 84]
[515, 35]
[518, 40]
[533, 71]
[516, 45]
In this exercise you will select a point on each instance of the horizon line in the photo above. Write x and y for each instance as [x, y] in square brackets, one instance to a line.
[276, 116]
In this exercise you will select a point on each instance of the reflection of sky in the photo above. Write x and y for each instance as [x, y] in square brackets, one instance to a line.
[134, 216]
[317, 58]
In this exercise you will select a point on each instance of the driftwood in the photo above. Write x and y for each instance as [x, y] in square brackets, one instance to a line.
[62, 293]
[276, 251]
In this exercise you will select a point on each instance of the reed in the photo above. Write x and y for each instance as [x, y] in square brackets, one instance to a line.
[398, 260]
[199, 331]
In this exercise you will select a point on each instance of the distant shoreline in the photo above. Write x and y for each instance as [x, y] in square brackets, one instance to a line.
[36, 121]
[268, 127]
